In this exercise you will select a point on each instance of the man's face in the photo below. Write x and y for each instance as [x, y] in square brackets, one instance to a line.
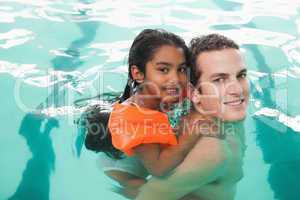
[222, 89]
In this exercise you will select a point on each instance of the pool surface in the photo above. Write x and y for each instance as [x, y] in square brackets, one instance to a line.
[53, 53]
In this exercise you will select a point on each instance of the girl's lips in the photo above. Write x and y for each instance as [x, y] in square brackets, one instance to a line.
[172, 91]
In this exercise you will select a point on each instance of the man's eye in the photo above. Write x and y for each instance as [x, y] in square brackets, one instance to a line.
[242, 76]
[219, 80]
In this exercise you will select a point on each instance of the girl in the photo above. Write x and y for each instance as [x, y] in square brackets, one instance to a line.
[157, 76]
[138, 125]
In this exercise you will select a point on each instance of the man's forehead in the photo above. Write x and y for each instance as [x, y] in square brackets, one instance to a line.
[222, 61]
[220, 54]
[226, 69]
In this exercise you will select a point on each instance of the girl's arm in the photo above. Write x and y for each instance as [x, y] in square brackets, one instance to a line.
[158, 160]
[161, 160]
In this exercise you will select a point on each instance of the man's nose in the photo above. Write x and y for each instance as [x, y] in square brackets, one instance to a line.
[234, 87]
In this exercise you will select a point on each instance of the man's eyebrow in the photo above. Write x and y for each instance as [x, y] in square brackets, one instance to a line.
[226, 74]
[242, 71]
[219, 75]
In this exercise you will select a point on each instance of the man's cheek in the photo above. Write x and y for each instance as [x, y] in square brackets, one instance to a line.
[211, 106]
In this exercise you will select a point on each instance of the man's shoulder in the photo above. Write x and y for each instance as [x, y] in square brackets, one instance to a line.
[212, 149]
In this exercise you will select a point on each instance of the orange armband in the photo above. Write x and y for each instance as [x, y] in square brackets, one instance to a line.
[130, 126]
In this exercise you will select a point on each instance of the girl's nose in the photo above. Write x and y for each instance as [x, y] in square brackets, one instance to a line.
[174, 77]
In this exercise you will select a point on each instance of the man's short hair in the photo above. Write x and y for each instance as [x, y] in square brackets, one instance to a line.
[206, 43]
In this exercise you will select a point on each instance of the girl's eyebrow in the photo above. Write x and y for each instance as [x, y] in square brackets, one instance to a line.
[183, 63]
[169, 64]
[163, 63]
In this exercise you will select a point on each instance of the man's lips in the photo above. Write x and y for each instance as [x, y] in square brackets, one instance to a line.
[235, 102]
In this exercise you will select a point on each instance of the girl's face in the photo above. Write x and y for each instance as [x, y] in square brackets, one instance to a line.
[165, 75]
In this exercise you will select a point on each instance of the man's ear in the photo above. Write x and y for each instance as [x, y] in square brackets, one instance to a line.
[196, 96]
[189, 91]
[136, 74]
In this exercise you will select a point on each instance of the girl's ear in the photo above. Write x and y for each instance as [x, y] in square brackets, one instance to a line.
[136, 74]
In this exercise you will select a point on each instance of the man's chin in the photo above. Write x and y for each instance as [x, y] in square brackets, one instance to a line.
[233, 118]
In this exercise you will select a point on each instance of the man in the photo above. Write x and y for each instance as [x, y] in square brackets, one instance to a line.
[213, 167]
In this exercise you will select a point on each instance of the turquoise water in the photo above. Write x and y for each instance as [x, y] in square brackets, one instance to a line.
[55, 52]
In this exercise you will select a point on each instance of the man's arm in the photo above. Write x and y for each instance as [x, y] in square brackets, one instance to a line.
[204, 164]
[130, 184]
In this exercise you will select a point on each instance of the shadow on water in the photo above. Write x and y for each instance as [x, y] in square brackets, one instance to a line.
[36, 128]
[36, 176]
[72, 61]
[280, 145]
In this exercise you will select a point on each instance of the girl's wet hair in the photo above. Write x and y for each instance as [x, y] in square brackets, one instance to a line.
[98, 138]
[142, 50]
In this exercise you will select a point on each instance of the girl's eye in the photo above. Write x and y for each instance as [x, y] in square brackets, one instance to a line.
[164, 69]
[182, 69]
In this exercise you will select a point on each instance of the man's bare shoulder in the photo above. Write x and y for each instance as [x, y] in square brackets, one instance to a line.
[211, 150]
[208, 157]
[212, 147]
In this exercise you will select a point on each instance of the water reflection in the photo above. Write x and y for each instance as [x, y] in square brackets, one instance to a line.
[36, 128]
[280, 145]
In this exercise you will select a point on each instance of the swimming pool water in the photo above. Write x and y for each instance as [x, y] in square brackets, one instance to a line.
[53, 53]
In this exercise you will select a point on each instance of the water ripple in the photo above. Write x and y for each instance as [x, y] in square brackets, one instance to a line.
[289, 121]
[15, 37]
